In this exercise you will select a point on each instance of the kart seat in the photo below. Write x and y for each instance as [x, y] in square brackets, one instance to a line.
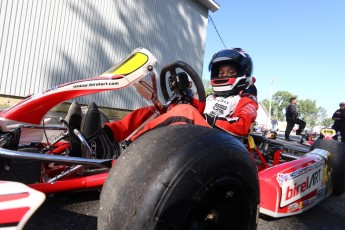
[91, 128]
[73, 119]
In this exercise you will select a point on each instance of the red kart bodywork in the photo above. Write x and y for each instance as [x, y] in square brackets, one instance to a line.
[295, 186]
[30, 112]
[17, 203]
[291, 187]
[139, 63]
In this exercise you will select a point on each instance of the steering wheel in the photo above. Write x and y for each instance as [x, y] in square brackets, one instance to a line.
[178, 83]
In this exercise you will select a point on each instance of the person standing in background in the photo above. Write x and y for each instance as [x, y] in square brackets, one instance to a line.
[339, 121]
[292, 119]
[274, 123]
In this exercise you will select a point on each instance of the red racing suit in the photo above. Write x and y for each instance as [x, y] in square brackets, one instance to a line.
[237, 124]
[179, 114]
[244, 115]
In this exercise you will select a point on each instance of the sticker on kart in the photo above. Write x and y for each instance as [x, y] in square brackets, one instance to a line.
[300, 182]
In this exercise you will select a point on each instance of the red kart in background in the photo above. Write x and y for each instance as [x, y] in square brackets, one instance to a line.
[173, 177]
[325, 133]
[292, 179]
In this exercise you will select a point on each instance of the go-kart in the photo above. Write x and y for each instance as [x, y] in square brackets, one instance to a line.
[172, 177]
[325, 133]
[293, 179]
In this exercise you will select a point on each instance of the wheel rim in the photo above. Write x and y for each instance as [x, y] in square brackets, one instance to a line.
[220, 205]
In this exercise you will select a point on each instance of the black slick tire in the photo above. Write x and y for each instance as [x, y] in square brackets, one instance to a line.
[181, 177]
[337, 150]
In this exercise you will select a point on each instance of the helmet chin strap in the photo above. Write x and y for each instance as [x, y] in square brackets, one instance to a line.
[226, 94]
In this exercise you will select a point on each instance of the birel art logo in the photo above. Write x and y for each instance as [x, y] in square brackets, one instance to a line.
[309, 182]
[297, 187]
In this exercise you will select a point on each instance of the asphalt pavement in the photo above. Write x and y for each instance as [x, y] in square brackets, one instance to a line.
[80, 210]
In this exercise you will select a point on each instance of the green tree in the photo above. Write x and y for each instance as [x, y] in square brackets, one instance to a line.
[266, 103]
[308, 110]
[207, 86]
[321, 115]
[327, 122]
[279, 101]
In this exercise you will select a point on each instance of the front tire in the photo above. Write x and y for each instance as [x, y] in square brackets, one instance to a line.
[181, 177]
[337, 150]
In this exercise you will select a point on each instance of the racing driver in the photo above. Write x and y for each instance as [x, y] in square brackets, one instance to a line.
[230, 108]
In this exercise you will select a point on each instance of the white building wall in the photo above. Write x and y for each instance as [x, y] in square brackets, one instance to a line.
[46, 43]
[262, 117]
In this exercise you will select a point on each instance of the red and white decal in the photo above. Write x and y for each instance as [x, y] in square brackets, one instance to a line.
[299, 183]
[17, 203]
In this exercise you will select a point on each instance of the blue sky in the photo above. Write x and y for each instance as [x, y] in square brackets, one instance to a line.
[299, 43]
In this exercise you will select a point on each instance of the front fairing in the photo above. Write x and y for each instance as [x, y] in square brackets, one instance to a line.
[32, 109]
[295, 186]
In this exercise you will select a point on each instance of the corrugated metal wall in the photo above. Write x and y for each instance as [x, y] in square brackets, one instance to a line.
[46, 43]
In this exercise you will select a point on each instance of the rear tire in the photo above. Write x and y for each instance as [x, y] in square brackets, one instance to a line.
[337, 150]
[181, 177]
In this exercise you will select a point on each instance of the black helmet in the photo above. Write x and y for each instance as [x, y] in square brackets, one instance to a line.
[341, 103]
[229, 85]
